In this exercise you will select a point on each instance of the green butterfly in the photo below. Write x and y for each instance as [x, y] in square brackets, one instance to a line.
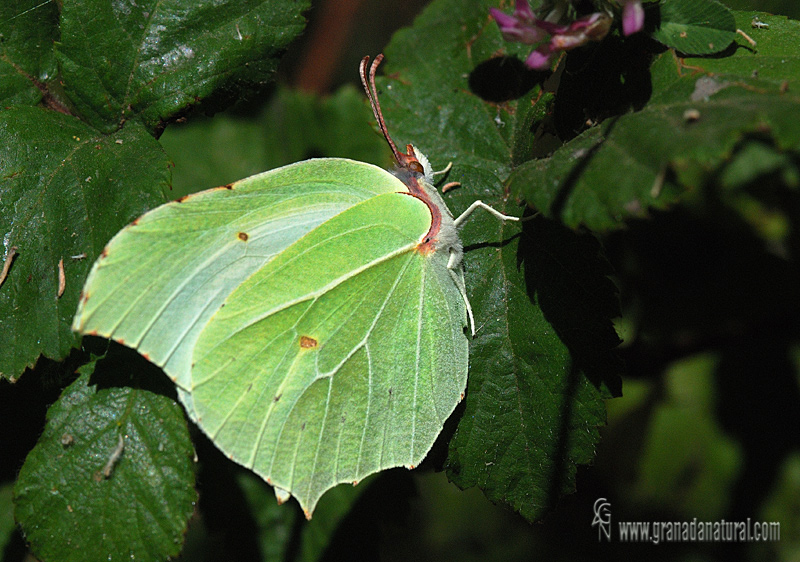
[313, 318]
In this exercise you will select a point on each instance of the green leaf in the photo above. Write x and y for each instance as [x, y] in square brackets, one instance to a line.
[305, 126]
[154, 59]
[755, 160]
[757, 176]
[537, 373]
[65, 190]
[27, 31]
[7, 523]
[539, 364]
[582, 183]
[239, 510]
[274, 523]
[292, 127]
[774, 60]
[698, 112]
[695, 27]
[317, 534]
[688, 464]
[112, 475]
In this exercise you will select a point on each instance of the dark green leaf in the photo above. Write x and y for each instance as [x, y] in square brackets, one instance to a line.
[65, 190]
[699, 110]
[293, 126]
[695, 27]
[755, 160]
[240, 511]
[316, 535]
[27, 31]
[7, 523]
[685, 452]
[537, 369]
[111, 477]
[154, 59]
[774, 59]
[584, 183]
[274, 523]
[542, 357]
[757, 183]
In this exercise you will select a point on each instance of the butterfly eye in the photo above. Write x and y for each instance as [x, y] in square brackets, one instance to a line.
[416, 167]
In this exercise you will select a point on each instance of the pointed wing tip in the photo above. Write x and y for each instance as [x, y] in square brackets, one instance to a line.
[281, 495]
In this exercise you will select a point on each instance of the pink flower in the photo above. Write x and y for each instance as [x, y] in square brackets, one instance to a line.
[519, 27]
[632, 17]
[524, 26]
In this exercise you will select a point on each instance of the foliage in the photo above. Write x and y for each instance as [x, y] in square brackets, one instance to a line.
[640, 159]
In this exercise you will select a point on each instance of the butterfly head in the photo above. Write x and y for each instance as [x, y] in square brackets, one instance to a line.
[414, 162]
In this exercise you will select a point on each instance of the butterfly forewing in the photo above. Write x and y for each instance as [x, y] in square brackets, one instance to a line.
[159, 280]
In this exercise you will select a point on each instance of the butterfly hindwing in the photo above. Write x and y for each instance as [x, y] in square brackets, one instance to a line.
[337, 359]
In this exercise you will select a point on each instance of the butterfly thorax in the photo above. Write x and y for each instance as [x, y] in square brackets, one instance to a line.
[416, 173]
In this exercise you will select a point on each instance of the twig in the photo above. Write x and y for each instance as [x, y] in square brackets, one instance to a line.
[114, 458]
[62, 279]
[7, 264]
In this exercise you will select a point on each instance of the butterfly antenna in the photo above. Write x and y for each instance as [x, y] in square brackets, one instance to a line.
[368, 80]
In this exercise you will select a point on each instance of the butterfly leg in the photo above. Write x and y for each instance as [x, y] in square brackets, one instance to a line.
[480, 204]
[457, 273]
[447, 169]
[454, 262]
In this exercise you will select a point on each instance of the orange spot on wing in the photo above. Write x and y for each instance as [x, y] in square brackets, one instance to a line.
[426, 247]
[228, 186]
[307, 342]
[243, 236]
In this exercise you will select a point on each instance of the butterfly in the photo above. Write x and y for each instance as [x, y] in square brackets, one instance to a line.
[314, 318]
